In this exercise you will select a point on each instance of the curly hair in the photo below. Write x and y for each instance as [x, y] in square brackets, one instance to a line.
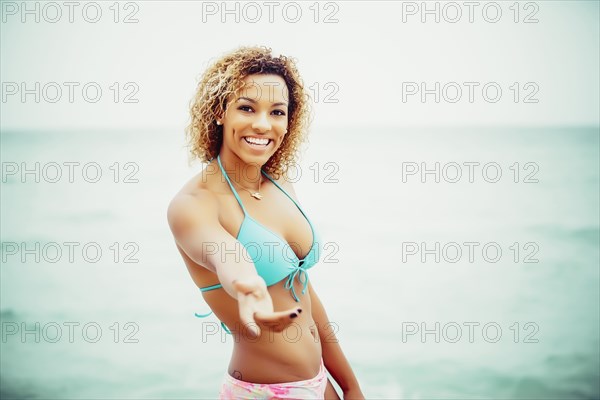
[224, 78]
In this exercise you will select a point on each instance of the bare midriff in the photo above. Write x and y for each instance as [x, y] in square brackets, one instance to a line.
[293, 354]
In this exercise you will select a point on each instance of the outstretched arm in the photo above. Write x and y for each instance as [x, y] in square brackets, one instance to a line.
[194, 223]
[333, 357]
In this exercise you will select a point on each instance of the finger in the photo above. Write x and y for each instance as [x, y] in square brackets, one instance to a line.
[277, 320]
[275, 315]
[248, 322]
[247, 316]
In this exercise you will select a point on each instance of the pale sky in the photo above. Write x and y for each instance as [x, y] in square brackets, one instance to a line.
[373, 58]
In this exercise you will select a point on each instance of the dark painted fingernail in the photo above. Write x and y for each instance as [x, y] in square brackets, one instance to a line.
[299, 310]
[293, 315]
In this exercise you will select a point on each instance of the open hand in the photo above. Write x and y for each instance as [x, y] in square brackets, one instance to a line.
[256, 307]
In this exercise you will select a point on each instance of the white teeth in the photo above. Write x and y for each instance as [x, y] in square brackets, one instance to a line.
[252, 140]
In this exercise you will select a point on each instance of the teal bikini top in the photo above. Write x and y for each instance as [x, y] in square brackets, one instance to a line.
[273, 257]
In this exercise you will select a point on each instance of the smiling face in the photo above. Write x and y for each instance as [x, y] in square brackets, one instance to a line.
[256, 119]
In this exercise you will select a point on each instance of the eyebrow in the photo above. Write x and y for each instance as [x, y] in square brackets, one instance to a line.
[254, 101]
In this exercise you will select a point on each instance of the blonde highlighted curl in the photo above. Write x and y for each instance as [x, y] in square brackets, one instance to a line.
[224, 78]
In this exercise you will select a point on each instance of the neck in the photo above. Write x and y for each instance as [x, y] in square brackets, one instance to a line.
[244, 174]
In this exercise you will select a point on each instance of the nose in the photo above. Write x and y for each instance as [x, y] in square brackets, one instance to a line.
[261, 123]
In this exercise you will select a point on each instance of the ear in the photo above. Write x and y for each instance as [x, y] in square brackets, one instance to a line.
[218, 119]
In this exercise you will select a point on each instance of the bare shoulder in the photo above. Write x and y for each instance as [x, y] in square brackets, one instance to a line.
[191, 206]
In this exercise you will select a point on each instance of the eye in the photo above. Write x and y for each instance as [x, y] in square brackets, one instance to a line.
[280, 113]
[245, 108]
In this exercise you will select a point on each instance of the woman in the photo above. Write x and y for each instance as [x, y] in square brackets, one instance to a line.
[245, 239]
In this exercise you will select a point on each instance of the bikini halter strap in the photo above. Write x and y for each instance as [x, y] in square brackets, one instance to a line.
[230, 185]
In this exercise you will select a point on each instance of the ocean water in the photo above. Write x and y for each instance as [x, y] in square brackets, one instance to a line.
[97, 304]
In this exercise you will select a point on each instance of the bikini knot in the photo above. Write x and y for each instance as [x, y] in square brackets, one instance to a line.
[296, 270]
